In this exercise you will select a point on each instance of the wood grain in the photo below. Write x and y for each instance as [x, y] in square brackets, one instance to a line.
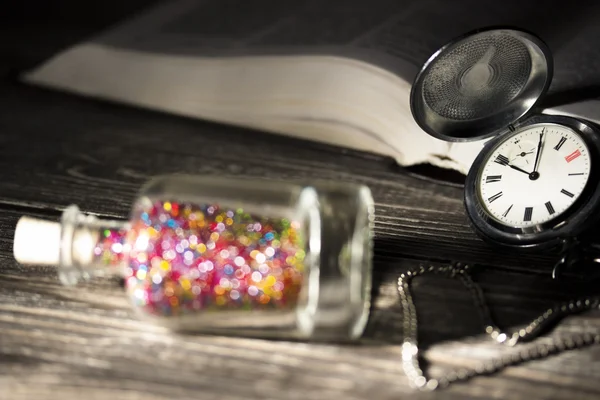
[73, 342]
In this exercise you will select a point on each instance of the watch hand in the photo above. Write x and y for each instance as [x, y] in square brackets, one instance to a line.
[518, 169]
[539, 151]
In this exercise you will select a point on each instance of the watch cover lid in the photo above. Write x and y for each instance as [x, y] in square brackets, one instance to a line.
[478, 85]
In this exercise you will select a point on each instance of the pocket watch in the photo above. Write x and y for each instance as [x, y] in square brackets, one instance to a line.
[534, 184]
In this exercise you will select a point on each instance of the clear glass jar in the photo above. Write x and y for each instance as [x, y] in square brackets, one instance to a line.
[232, 256]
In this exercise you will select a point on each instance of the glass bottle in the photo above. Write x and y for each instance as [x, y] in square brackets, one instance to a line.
[226, 255]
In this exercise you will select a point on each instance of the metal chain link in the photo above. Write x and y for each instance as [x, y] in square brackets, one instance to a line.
[410, 350]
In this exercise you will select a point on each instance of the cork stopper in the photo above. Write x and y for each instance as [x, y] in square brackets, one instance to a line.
[37, 242]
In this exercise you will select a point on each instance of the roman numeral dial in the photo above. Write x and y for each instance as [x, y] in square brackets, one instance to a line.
[528, 214]
[502, 159]
[560, 143]
[567, 193]
[516, 191]
[549, 207]
[495, 197]
[572, 156]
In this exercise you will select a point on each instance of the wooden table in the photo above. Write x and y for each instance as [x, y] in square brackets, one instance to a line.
[85, 342]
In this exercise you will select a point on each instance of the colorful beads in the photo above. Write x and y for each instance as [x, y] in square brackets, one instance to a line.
[185, 258]
[111, 247]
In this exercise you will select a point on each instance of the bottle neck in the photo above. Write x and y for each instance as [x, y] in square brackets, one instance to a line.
[90, 247]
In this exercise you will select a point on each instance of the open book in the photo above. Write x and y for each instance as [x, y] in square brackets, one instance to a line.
[333, 71]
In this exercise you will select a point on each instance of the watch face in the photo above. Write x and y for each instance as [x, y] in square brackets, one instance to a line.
[534, 175]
